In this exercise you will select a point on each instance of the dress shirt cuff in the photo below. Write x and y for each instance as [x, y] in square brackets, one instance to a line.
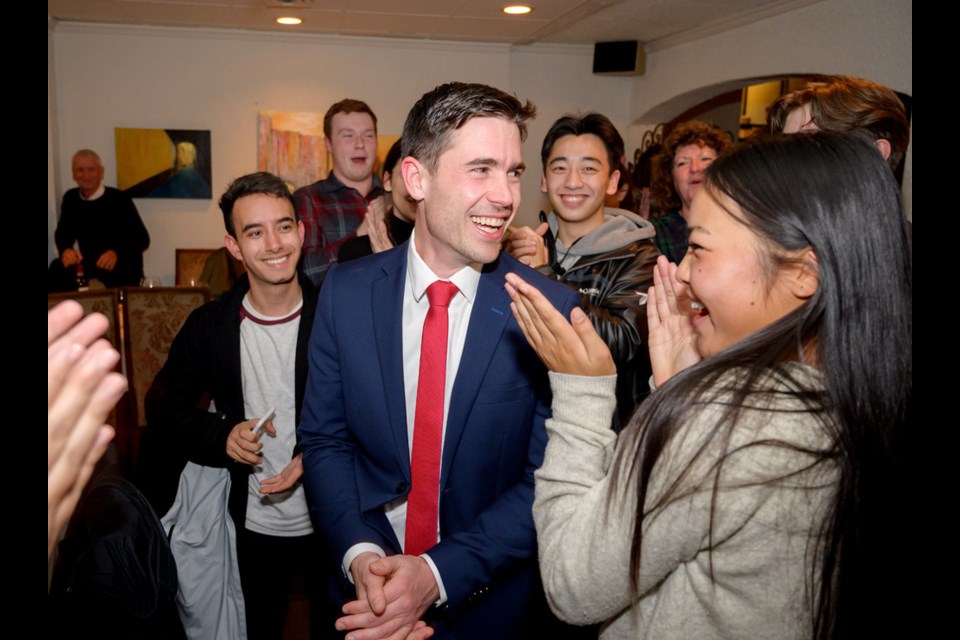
[354, 551]
[436, 575]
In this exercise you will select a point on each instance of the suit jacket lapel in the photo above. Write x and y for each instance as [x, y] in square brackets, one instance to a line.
[491, 311]
[387, 304]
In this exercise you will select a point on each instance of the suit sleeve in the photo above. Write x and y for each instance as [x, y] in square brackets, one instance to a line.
[504, 534]
[329, 450]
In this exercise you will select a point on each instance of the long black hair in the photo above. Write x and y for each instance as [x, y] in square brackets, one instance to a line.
[835, 195]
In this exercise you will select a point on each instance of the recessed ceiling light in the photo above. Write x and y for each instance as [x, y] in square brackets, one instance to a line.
[517, 9]
[289, 20]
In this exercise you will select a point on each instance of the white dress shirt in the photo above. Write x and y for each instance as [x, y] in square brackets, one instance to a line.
[415, 307]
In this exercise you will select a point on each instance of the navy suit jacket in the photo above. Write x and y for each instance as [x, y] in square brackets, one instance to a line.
[353, 434]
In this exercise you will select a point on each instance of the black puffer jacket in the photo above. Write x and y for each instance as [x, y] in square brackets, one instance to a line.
[612, 268]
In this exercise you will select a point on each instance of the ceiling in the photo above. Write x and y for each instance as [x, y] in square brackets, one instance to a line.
[551, 21]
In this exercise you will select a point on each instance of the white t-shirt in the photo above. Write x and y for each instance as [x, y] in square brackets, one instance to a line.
[268, 353]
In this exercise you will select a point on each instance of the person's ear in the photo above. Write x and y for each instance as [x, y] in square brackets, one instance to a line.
[386, 180]
[326, 145]
[543, 183]
[805, 275]
[883, 146]
[231, 243]
[613, 183]
[415, 177]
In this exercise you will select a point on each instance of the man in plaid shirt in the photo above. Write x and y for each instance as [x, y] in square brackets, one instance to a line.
[336, 209]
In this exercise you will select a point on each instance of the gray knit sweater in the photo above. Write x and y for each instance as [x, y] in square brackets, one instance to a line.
[760, 531]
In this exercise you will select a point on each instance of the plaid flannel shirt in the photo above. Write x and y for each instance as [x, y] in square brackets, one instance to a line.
[330, 212]
[672, 238]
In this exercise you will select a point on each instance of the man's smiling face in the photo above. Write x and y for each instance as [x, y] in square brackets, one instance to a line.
[268, 239]
[353, 145]
[466, 205]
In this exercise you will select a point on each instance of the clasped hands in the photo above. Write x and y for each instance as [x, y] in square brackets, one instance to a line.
[574, 347]
[393, 592]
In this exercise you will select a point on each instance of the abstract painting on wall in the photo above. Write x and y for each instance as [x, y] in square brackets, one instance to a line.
[163, 163]
[290, 145]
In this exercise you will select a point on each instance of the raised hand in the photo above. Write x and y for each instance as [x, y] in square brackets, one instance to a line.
[82, 388]
[527, 245]
[376, 220]
[672, 342]
[565, 347]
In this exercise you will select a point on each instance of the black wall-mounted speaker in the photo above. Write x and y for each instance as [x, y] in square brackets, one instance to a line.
[623, 58]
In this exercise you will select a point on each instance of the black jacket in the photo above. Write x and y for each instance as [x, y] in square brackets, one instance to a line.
[109, 223]
[115, 577]
[204, 364]
[613, 285]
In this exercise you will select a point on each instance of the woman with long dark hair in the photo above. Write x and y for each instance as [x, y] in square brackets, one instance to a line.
[750, 495]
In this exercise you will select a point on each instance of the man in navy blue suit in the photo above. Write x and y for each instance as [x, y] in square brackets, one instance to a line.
[477, 577]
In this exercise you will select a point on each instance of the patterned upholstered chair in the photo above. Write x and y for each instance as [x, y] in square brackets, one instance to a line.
[105, 301]
[152, 317]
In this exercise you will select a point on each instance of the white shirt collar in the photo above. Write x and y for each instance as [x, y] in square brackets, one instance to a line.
[96, 194]
[422, 276]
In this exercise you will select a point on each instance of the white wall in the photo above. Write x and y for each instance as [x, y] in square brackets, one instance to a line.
[560, 80]
[106, 76]
[863, 38]
[109, 76]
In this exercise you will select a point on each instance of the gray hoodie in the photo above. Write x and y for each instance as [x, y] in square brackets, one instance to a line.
[620, 227]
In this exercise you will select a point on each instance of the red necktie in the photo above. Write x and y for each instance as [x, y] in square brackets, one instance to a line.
[422, 503]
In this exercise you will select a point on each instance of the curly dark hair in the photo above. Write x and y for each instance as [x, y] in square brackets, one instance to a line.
[662, 189]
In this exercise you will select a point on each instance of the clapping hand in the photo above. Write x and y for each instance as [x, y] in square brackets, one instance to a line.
[672, 342]
[527, 245]
[376, 220]
[572, 347]
[82, 389]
